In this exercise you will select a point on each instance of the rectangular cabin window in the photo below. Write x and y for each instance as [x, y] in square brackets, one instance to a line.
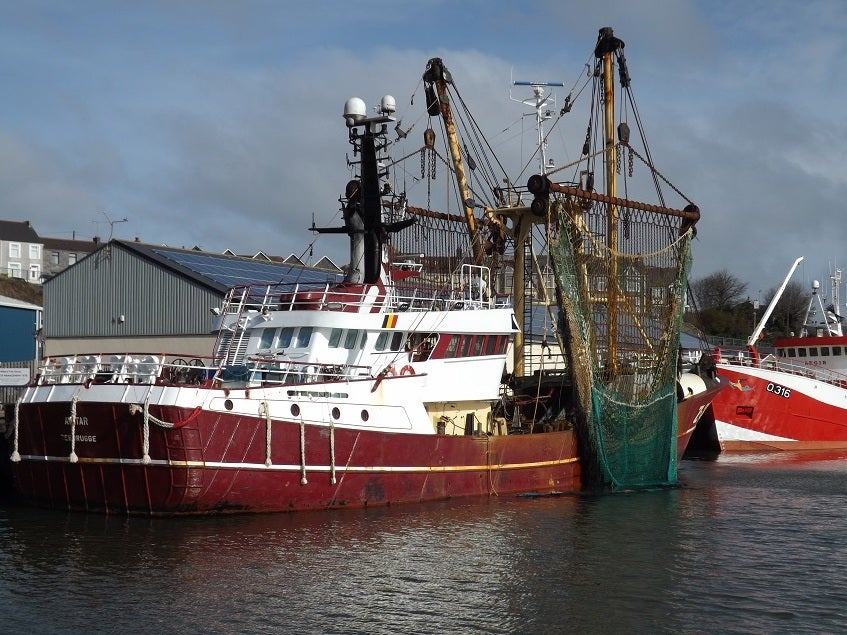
[466, 345]
[824, 351]
[397, 340]
[304, 336]
[792, 352]
[836, 350]
[452, 345]
[382, 341]
[335, 338]
[490, 344]
[801, 352]
[285, 337]
[350, 339]
[477, 345]
[267, 338]
[813, 351]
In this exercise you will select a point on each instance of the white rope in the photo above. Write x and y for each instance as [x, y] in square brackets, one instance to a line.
[331, 451]
[145, 459]
[16, 457]
[135, 408]
[73, 457]
[266, 411]
[303, 479]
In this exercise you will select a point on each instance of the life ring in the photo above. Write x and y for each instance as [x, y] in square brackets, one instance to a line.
[407, 370]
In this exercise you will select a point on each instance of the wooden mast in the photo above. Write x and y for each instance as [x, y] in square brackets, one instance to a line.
[436, 78]
[607, 45]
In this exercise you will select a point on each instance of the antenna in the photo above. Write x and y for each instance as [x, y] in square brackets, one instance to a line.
[540, 99]
[112, 224]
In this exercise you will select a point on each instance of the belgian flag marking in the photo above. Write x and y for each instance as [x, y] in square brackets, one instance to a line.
[389, 321]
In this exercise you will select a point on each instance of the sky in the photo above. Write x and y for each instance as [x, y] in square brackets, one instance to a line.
[218, 123]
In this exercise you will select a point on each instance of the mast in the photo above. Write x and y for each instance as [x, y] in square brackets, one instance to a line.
[607, 46]
[538, 101]
[436, 77]
[363, 206]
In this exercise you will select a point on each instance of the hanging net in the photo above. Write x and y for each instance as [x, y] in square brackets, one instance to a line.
[621, 271]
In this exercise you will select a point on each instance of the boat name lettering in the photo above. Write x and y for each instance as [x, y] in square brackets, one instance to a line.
[80, 438]
[80, 421]
[781, 391]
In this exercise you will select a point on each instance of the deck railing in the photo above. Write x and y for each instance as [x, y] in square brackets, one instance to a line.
[168, 370]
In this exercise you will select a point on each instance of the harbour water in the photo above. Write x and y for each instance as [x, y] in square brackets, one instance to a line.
[749, 544]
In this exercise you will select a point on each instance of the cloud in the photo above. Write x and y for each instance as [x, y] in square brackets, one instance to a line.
[219, 124]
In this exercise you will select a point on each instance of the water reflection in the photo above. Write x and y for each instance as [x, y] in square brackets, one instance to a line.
[744, 546]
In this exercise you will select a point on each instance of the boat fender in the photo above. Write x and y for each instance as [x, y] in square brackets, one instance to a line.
[407, 370]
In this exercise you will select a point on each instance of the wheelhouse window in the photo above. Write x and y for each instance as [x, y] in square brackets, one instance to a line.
[267, 338]
[477, 346]
[792, 352]
[466, 345]
[824, 351]
[381, 341]
[304, 336]
[335, 338]
[813, 351]
[397, 340]
[490, 344]
[452, 345]
[350, 339]
[285, 337]
[801, 352]
[836, 350]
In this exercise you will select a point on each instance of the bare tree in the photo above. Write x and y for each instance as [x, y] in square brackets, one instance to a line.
[789, 311]
[720, 290]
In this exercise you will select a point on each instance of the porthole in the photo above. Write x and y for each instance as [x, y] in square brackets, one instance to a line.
[228, 404]
[336, 413]
[295, 410]
[365, 415]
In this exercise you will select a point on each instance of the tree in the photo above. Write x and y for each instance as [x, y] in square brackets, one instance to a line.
[721, 290]
[789, 311]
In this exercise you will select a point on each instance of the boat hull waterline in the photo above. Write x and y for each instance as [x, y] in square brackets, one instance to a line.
[766, 410]
[224, 463]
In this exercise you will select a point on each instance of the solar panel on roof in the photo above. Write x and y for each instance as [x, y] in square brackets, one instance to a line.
[229, 271]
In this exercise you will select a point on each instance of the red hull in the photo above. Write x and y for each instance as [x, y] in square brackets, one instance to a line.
[760, 417]
[217, 464]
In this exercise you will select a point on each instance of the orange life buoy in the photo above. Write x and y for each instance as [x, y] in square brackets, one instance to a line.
[407, 370]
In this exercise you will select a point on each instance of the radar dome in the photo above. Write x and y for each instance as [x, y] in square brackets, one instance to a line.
[354, 110]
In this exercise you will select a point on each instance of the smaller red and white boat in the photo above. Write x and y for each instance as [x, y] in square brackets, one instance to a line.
[794, 398]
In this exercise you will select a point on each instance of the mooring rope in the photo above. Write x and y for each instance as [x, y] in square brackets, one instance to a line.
[73, 457]
[265, 411]
[134, 408]
[303, 479]
[331, 451]
[16, 456]
[145, 444]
